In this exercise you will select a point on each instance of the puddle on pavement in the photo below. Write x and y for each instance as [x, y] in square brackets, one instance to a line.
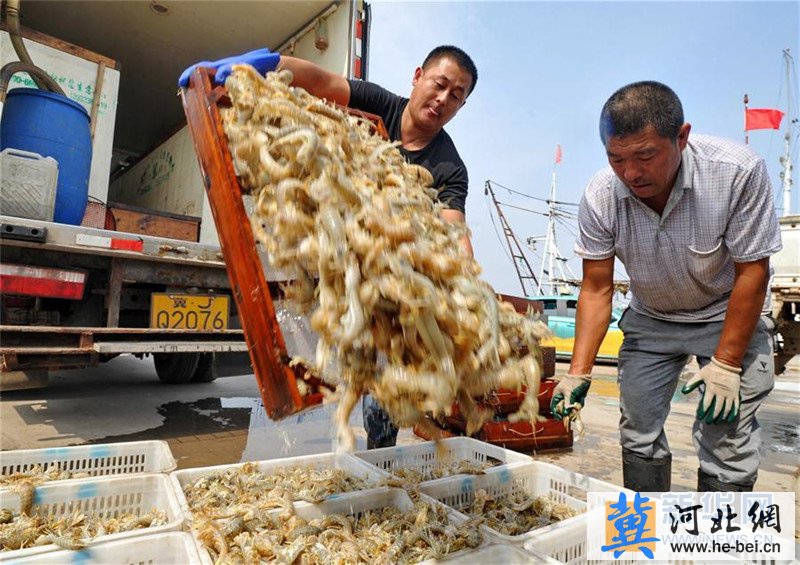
[216, 431]
[785, 438]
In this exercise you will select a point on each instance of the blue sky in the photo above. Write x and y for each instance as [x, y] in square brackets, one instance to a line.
[545, 70]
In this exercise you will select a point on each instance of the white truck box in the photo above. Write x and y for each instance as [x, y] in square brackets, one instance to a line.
[168, 178]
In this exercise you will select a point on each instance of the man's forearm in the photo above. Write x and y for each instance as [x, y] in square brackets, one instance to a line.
[466, 245]
[744, 309]
[591, 325]
[458, 217]
[316, 80]
[594, 313]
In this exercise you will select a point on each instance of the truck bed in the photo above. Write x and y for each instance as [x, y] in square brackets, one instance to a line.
[137, 262]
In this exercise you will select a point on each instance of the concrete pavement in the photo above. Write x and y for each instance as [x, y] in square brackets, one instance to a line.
[224, 422]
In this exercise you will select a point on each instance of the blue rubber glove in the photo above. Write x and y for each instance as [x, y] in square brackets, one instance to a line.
[569, 396]
[263, 60]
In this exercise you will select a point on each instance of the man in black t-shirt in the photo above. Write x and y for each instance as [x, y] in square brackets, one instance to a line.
[440, 88]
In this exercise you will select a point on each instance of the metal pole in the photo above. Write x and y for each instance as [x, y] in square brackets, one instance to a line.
[552, 234]
[787, 176]
[746, 138]
[786, 161]
[517, 257]
[547, 246]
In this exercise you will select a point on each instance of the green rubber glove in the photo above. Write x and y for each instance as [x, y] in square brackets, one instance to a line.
[573, 388]
[721, 397]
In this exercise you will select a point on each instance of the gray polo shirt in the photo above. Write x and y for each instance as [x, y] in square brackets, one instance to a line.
[681, 264]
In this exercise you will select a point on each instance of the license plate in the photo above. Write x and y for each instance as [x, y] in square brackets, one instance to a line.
[189, 311]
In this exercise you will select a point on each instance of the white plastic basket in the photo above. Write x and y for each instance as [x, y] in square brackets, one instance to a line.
[564, 545]
[535, 478]
[125, 458]
[108, 497]
[354, 504]
[320, 461]
[173, 548]
[427, 456]
[499, 553]
[568, 545]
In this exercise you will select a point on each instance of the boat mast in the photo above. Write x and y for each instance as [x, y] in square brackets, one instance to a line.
[523, 268]
[786, 159]
[552, 257]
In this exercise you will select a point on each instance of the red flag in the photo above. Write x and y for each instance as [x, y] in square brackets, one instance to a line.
[558, 154]
[762, 118]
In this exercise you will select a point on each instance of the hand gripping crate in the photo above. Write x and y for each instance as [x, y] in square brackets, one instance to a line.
[356, 504]
[534, 478]
[427, 456]
[106, 497]
[343, 461]
[171, 548]
[125, 458]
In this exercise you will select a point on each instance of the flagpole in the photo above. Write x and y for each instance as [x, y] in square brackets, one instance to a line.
[746, 137]
[786, 160]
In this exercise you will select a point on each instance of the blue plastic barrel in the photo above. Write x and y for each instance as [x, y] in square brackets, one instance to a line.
[52, 126]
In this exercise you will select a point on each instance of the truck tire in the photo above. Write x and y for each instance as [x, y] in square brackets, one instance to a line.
[176, 368]
[205, 370]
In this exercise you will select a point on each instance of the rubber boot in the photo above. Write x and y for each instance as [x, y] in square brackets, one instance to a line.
[641, 474]
[707, 483]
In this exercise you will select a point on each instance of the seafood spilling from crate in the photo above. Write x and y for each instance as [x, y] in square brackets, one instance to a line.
[241, 489]
[516, 513]
[39, 474]
[398, 306]
[380, 535]
[74, 531]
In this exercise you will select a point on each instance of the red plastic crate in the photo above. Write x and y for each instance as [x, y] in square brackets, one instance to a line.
[527, 436]
[519, 436]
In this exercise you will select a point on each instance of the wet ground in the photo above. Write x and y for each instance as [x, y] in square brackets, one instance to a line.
[224, 422]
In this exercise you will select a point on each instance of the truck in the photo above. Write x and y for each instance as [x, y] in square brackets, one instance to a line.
[785, 289]
[144, 273]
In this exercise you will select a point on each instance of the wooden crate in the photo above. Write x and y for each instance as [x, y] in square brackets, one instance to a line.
[549, 435]
[522, 305]
[548, 362]
[131, 219]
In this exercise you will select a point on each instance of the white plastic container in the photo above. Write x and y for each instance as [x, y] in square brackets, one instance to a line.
[354, 504]
[536, 479]
[565, 545]
[27, 184]
[321, 461]
[499, 553]
[568, 545]
[171, 548]
[427, 456]
[110, 496]
[124, 458]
